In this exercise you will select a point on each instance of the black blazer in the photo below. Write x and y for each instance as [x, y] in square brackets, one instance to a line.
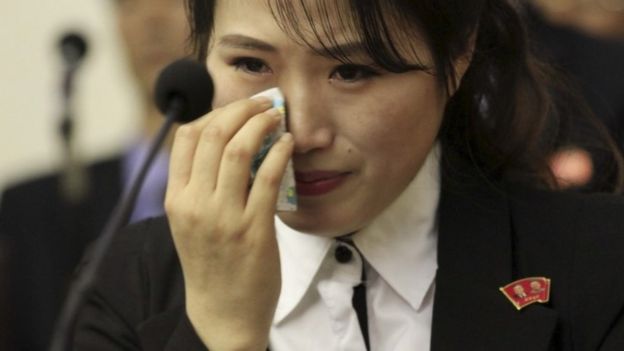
[46, 237]
[489, 236]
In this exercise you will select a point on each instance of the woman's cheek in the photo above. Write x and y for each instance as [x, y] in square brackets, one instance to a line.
[230, 87]
[227, 90]
[224, 82]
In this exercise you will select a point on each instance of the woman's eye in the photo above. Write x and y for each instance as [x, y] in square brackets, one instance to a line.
[353, 73]
[251, 65]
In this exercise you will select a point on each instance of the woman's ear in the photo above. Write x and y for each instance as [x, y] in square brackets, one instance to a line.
[461, 65]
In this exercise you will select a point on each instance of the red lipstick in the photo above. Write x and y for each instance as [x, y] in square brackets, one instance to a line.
[318, 183]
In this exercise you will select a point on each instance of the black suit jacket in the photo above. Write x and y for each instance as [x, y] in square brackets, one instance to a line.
[46, 237]
[489, 235]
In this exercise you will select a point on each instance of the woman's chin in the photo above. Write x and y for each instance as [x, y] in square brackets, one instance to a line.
[314, 224]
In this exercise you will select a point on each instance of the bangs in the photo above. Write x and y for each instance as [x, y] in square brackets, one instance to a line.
[379, 30]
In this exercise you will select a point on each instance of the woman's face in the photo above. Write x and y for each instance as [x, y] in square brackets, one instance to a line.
[361, 134]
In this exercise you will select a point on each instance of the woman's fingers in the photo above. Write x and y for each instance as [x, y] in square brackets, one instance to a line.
[210, 170]
[265, 189]
[238, 154]
[181, 160]
[216, 130]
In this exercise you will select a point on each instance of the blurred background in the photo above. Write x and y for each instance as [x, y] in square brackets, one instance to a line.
[56, 194]
[600, 18]
[105, 104]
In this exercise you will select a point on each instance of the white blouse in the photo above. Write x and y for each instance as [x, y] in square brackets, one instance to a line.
[314, 311]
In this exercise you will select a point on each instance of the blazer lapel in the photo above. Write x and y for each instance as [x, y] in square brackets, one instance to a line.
[475, 259]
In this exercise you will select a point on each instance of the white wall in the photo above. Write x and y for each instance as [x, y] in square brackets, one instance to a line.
[30, 74]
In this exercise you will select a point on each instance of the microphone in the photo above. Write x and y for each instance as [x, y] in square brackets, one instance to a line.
[73, 47]
[183, 93]
[188, 82]
[73, 181]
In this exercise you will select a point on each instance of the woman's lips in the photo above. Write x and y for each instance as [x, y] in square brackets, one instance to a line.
[317, 183]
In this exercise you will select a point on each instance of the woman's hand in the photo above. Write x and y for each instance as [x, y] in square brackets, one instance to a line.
[223, 230]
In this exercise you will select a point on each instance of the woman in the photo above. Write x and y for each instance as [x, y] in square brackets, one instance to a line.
[420, 134]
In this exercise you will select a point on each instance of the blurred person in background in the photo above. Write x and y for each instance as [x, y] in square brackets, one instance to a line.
[597, 18]
[45, 234]
[585, 38]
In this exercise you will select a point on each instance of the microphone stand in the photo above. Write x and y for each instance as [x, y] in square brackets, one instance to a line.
[118, 219]
[74, 183]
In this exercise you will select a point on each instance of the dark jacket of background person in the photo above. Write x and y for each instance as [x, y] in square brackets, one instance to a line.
[490, 234]
[45, 237]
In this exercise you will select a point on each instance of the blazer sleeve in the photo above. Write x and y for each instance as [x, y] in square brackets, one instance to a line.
[137, 301]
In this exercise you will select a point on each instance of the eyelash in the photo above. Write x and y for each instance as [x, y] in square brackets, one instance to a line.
[242, 64]
[361, 72]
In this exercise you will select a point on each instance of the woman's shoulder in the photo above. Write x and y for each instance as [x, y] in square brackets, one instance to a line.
[138, 294]
[141, 271]
[594, 214]
[148, 246]
[588, 227]
[151, 237]
[581, 238]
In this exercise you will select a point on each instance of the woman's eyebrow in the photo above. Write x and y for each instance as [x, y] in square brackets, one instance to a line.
[239, 41]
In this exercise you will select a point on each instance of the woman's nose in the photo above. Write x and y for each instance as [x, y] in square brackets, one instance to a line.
[308, 119]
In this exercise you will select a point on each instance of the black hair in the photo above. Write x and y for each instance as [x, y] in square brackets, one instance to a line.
[510, 112]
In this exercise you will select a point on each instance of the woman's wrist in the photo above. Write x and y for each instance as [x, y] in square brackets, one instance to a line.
[228, 331]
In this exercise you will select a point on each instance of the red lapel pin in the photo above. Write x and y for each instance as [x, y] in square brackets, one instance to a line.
[527, 291]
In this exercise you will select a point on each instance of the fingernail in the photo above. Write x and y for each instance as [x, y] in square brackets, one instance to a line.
[275, 112]
[286, 138]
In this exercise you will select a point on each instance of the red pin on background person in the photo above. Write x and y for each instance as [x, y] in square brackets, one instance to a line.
[527, 291]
